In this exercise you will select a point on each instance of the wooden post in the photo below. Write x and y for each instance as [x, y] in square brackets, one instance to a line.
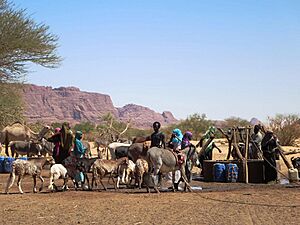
[229, 139]
[285, 160]
[246, 172]
[236, 145]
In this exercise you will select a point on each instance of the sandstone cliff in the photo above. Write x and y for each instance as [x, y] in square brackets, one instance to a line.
[49, 105]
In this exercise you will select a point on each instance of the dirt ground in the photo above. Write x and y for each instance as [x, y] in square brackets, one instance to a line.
[216, 203]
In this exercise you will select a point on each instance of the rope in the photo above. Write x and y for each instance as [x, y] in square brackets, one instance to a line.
[246, 203]
[293, 184]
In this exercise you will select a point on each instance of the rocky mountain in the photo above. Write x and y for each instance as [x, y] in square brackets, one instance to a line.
[49, 105]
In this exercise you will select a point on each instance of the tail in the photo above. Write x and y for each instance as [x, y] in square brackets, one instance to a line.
[11, 178]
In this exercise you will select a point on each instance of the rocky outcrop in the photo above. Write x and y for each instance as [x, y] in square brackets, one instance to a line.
[144, 117]
[50, 105]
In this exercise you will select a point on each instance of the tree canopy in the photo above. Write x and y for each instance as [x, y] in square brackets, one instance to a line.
[23, 41]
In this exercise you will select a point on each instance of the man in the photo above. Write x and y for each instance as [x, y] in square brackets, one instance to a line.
[269, 145]
[255, 143]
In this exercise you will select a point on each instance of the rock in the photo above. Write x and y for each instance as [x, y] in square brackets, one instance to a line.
[47, 104]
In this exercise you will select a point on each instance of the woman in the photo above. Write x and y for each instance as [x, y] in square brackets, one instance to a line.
[186, 140]
[56, 140]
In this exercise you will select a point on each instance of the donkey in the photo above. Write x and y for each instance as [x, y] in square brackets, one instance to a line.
[164, 161]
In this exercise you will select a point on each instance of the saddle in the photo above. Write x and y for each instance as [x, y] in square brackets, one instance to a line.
[178, 156]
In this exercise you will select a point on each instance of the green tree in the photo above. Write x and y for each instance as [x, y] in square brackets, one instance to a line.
[23, 41]
[11, 109]
[85, 127]
[195, 123]
[286, 127]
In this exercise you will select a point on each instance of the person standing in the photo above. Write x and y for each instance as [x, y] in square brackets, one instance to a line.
[56, 140]
[66, 141]
[269, 145]
[79, 151]
[255, 151]
[207, 153]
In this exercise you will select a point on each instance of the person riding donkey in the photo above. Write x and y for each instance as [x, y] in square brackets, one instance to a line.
[157, 137]
[175, 145]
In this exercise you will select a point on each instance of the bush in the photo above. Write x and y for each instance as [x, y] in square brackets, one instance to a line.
[195, 123]
[286, 127]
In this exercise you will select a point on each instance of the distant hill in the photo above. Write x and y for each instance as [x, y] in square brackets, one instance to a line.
[49, 105]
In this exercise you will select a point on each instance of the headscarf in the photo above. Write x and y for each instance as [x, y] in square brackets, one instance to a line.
[56, 130]
[78, 135]
[178, 136]
[186, 139]
[210, 132]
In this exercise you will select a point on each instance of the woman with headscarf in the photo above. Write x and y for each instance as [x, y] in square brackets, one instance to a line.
[175, 144]
[56, 140]
[186, 140]
[79, 151]
[207, 153]
[176, 139]
[269, 145]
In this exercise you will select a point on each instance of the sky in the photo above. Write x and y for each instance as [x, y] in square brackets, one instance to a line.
[222, 58]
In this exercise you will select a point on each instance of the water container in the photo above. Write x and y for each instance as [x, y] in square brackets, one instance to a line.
[232, 172]
[1, 163]
[7, 164]
[219, 172]
[293, 175]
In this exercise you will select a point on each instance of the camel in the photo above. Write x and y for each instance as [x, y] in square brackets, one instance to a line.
[20, 132]
[164, 161]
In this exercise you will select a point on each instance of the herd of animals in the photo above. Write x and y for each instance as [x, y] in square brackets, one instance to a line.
[128, 162]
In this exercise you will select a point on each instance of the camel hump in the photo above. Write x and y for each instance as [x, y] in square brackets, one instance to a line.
[17, 123]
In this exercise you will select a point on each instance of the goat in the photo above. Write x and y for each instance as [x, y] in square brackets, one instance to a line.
[25, 148]
[31, 167]
[58, 171]
[75, 165]
[104, 167]
[84, 165]
[141, 167]
[127, 171]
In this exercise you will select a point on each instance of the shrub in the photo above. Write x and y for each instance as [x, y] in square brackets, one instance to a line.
[286, 127]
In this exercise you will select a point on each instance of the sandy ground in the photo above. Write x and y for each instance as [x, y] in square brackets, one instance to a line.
[216, 203]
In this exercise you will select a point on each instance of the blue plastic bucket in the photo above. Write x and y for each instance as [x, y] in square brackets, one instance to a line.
[219, 172]
[7, 164]
[1, 164]
[232, 172]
